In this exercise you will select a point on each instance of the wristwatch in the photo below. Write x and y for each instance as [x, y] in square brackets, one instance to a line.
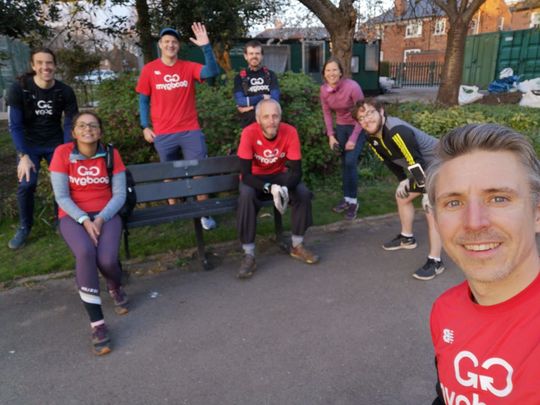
[266, 188]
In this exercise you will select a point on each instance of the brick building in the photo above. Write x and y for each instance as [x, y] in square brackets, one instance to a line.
[417, 30]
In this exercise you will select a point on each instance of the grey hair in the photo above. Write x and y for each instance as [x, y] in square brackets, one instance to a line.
[269, 100]
[484, 137]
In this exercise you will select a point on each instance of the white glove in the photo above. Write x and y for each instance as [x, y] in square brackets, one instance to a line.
[402, 190]
[281, 197]
[425, 203]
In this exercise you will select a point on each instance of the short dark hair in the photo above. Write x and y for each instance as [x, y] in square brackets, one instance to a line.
[42, 50]
[253, 44]
[360, 105]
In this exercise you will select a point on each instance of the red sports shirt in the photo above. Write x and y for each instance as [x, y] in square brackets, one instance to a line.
[269, 156]
[488, 354]
[88, 179]
[172, 95]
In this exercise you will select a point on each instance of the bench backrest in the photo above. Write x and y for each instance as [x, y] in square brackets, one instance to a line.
[219, 174]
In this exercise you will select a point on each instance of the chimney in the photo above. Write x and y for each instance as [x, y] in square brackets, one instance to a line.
[400, 8]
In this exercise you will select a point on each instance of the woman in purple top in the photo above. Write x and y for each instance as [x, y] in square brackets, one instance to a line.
[339, 95]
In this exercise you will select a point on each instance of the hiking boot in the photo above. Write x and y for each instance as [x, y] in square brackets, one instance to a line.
[19, 239]
[101, 340]
[301, 253]
[350, 214]
[341, 207]
[208, 223]
[400, 242]
[247, 267]
[429, 270]
[120, 300]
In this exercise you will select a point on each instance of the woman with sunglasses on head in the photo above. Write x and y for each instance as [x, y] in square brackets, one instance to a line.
[89, 223]
[338, 96]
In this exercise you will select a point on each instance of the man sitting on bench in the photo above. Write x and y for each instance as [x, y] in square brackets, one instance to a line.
[265, 147]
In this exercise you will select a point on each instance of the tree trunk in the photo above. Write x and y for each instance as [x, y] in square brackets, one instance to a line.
[222, 56]
[145, 31]
[453, 68]
[340, 22]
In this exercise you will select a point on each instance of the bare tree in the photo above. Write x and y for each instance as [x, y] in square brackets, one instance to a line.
[340, 22]
[460, 14]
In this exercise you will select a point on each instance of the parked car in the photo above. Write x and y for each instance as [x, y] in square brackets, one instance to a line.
[96, 76]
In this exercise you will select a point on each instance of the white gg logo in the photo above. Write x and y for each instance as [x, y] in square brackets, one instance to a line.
[466, 360]
[88, 171]
[171, 78]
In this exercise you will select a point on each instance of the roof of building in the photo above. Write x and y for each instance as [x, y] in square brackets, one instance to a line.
[525, 5]
[294, 33]
[416, 9]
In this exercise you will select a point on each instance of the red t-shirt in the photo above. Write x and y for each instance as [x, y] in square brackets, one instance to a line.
[269, 156]
[172, 95]
[88, 179]
[488, 354]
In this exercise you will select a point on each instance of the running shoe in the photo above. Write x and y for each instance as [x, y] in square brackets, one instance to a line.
[120, 300]
[400, 242]
[429, 270]
[341, 207]
[247, 267]
[101, 340]
[301, 253]
[351, 211]
[19, 239]
[208, 223]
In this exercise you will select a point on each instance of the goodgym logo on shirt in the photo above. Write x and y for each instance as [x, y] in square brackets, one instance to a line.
[88, 175]
[257, 84]
[493, 375]
[44, 107]
[269, 156]
[171, 82]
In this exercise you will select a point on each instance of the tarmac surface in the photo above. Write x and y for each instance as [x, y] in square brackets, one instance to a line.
[352, 329]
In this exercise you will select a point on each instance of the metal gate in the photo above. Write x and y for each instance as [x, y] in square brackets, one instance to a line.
[416, 73]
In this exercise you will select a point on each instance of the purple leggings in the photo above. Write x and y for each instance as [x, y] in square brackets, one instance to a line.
[89, 258]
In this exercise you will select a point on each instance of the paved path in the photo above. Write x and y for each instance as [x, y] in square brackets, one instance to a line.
[350, 330]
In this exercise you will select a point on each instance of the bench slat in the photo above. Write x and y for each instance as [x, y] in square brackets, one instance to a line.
[184, 168]
[147, 192]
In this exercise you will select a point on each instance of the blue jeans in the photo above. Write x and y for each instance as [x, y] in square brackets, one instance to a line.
[349, 159]
[27, 189]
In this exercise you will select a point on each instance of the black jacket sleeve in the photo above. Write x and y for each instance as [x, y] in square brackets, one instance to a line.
[247, 177]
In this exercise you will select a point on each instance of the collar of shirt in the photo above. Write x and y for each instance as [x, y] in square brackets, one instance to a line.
[76, 155]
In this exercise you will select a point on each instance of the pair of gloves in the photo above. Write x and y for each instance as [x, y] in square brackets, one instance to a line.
[281, 197]
[403, 189]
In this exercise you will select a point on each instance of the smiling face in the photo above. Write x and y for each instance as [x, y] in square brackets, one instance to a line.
[169, 47]
[86, 130]
[332, 74]
[487, 218]
[253, 56]
[43, 64]
[370, 118]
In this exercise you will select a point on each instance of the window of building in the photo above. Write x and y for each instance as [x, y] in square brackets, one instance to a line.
[500, 24]
[473, 27]
[535, 20]
[413, 29]
[407, 52]
[440, 27]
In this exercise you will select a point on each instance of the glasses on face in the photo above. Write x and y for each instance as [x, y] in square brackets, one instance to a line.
[367, 114]
[83, 125]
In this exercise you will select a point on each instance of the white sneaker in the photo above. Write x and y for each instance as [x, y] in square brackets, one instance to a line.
[208, 223]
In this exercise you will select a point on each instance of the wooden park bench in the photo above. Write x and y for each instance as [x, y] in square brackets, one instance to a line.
[217, 177]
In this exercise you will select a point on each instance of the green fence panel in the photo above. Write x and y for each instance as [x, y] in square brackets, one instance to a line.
[480, 59]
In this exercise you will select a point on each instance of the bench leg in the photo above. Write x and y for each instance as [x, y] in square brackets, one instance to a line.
[278, 225]
[126, 243]
[200, 244]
